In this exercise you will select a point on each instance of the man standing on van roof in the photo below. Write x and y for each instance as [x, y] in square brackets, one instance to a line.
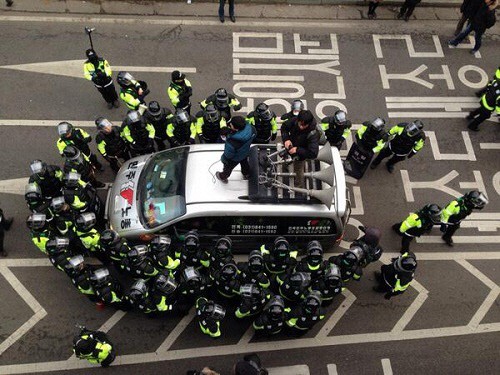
[237, 148]
[301, 139]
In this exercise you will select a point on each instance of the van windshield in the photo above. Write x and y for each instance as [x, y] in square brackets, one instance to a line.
[162, 187]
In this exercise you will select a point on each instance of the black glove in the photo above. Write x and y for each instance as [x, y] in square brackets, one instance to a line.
[237, 107]
[273, 137]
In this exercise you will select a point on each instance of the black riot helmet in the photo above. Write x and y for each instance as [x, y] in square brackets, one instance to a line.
[221, 98]
[36, 222]
[178, 77]
[124, 79]
[223, 247]
[255, 261]
[57, 245]
[137, 254]
[297, 106]
[33, 194]
[182, 117]
[165, 284]
[72, 179]
[133, 118]
[275, 308]
[376, 125]
[86, 221]
[155, 110]
[250, 291]
[192, 242]
[92, 55]
[432, 212]
[212, 310]
[71, 153]
[211, 114]
[349, 259]
[332, 276]
[109, 238]
[314, 253]
[75, 264]
[58, 204]
[228, 271]
[263, 112]
[138, 290]
[100, 277]
[413, 129]
[340, 118]
[300, 279]
[406, 262]
[64, 129]
[103, 123]
[475, 199]
[191, 275]
[281, 248]
[38, 167]
[312, 302]
[160, 244]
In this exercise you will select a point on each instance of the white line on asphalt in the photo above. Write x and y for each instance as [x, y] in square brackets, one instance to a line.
[434, 115]
[14, 186]
[246, 77]
[386, 366]
[337, 314]
[28, 298]
[332, 369]
[430, 99]
[176, 332]
[247, 336]
[490, 146]
[110, 323]
[52, 123]
[460, 239]
[413, 308]
[25, 262]
[289, 370]
[284, 56]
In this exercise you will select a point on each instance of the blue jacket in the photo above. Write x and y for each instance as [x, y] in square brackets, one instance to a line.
[238, 144]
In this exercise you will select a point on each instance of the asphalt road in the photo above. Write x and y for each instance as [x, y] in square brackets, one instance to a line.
[448, 322]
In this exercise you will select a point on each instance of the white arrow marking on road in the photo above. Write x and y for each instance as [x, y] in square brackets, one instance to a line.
[74, 68]
[14, 186]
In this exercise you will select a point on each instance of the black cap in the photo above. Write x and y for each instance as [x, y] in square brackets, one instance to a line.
[238, 122]
[90, 53]
[177, 76]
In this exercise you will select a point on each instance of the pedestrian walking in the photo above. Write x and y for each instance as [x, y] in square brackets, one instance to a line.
[231, 10]
[482, 20]
[468, 9]
[372, 6]
[237, 148]
[4, 226]
[97, 70]
[407, 9]
[490, 101]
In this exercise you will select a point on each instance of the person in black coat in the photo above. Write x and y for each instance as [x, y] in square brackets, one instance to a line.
[468, 9]
[407, 9]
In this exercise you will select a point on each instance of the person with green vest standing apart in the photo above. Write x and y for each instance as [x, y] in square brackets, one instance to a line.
[180, 91]
[94, 346]
[396, 277]
[97, 70]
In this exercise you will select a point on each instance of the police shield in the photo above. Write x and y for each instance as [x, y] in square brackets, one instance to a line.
[357, 161]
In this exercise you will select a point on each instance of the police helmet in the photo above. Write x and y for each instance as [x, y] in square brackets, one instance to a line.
[349, 259]
[74, 263]
[36, 221]
[177, 76]
[476, 199]
[297, 106]
[160, 244]
[57, 204]
[275, 307]
[211, 113]
[165, 284]
[71, 152]
[71, 179]
[255, 261]
[38, 167]
[138, 290]
[181, 116]
[86, 221]
[432, 212]
[109, 237]
[281, 247]
[315, 251]
[33, 193]
[300, 279]
[100, 276]
[91, 55]
[377, 124]
[223, 247]
[137, 253]
[155, 110]
[102, 123]
[262, 110]
[406, 263]
[221, 98]
[57, 245]
[64, 129]
[340, 118]
[358, 252]
[312, 301]
[228, 271]
[413, 129]
[372, 236]
[213, 310]
[191, 242]
[332, 276]
[124, 79]
[250, 291]
[190, 275]
[133, 117]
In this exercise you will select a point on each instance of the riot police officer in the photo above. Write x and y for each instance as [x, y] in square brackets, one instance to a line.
[161, 252]
[272, 320]
[59, 253]
[457, 210]
[253, 271]
[416, 224]
[94, 346]
[97, 70]
[221, 254]
[64, 217]
[191, 254]
[294, 286]
[313, 262]
[304, 316]
[138, 297]
[182, 129]
[132, 92]
[279, 258]
[79, 163]
[139, 134]
[329, 284]
[163, 292]
[107, 288]
[296, 107]
[489, 102]
[40, 230]
[81, 195]
[36, 202]
[79, 138]
[371, 135]
[252, 300]
[180, 91]
[139, 263]
[337, 128]
[264, 121]
[395, 278]
[158, 117]
[369, 243]
[349, 263]
[80, 274]
[192, 284]
[223, 101]
[114, 247]
[226, 280]
[88, 235]
[210, 125]
[406, 139]
[110, 143]
[209, 316]
[48, 177]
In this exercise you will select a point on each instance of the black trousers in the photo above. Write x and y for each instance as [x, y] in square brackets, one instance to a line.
[479, 115]
[372, 6]
[386, 152]
[450, 231]
[407, 9]
[108, 93]
[229, 165]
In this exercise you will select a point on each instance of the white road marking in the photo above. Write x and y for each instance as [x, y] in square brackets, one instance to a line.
[289, 370]
[469, 155]
[473, 85]
[431, 99]
[39, 311]
[460, 239]
[176, 332]
[411, 76]
[337, 314]
[282, 56]
[51, 123]
[377, 38]
[13, 186]
[246, 77]
[489, 146]
[413, 308]
[439, 184]
[332, 369]
[247, 336]
[111, 322]
[25, 262]
[386, 366]
[434, 115]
